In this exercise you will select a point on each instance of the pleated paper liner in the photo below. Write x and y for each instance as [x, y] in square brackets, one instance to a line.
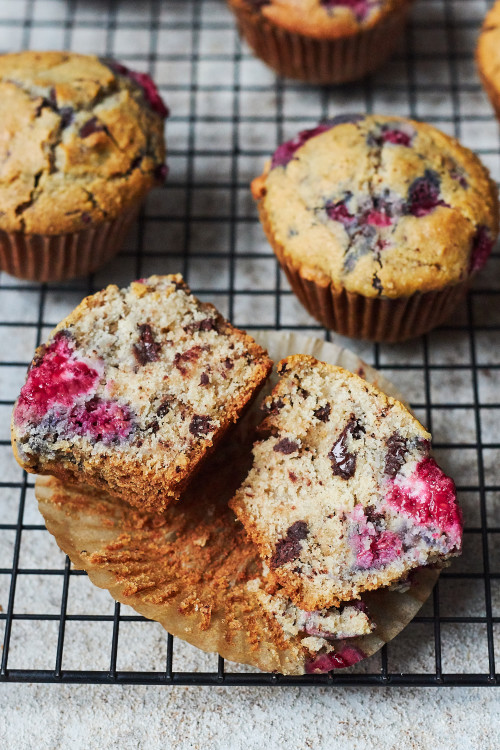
[369, 318]
[37, 257]
[189, 567]
[320, 60]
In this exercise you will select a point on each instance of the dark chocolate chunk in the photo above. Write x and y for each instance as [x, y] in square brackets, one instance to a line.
[90, 127]
[288, 548]
[344, 462]
[323, 413]
[182, 358]
[200, 425]
[165, 406]
[146, 349]
[207, 324]
[273, 407]
[397, 448]
[228, 363]
[286, 446]
[372, 515]
[204, 379]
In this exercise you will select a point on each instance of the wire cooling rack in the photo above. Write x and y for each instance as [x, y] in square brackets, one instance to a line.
[228, 114]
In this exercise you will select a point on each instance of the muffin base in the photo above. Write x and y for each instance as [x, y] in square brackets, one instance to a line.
[371, 318]
[319, 60]
[38, 257]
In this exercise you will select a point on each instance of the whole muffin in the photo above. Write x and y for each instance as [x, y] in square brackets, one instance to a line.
[81, 144]
[488, 56]
[322, 41]
[378, 222]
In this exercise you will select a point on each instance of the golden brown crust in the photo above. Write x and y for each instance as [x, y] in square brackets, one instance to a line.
[488, 56]
[356, 316]
[313, 19]
[79, 143]
[322, 46]
[420, 253]
[152, 464]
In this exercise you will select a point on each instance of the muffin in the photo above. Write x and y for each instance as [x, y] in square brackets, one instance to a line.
[81, 145]
[488, 56]
[378, 222]
[322, 41]
[343, 496]
[133, 389]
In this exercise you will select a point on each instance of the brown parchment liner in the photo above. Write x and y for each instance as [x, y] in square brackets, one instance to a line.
[370, 318]
[188, 567]
[321, 60]
[46, 257]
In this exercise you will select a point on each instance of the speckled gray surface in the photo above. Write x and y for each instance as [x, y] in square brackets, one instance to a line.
[223, 719]
[204, 222]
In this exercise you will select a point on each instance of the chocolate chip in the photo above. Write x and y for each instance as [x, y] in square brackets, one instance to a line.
[323, 413]
[274, 406]
[207, 324]
[344, 462]
[286, 446]
[200, 425]
[90, 127]
[204, 379]
[289, 547]
[146, 349]
[181, 358]
[397, 448]
[372, 515]
[165, 406]
[228, 363]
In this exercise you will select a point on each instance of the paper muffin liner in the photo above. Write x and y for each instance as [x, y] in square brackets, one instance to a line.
[39, 257]
[371, 318]
[189, 567]
[321, 61]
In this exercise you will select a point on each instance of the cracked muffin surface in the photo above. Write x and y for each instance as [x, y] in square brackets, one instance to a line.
[379, 206]
[133, 389]
[343, 496]
[81, 141]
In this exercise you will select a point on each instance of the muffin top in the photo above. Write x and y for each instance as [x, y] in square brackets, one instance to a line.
[81, 140]
[488, 49]
[322, 18]
[381, 206]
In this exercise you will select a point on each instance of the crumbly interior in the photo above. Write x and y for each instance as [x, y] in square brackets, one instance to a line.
[80, 142]
[315, 628]
[132, 390]
[379, 206]
[342, 495]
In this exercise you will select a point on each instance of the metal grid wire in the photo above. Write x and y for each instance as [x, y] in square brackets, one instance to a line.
[228, 114]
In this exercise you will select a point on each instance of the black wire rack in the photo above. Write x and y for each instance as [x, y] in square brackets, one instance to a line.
[228, 114]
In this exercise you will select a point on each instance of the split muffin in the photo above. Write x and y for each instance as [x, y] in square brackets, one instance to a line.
[343, 496]
[133, 390]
